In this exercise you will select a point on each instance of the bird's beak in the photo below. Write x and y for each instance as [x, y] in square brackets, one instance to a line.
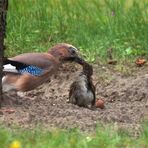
[76, 59]
[78, 55]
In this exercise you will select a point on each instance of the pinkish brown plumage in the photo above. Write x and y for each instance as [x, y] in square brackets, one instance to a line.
[49, 62]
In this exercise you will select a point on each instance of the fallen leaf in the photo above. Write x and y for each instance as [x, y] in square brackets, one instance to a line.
[140, 62]
[9, 111]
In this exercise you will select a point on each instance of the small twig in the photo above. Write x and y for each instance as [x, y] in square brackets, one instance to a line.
[109, 53]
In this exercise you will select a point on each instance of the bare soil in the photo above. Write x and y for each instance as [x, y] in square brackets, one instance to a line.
[125, 94]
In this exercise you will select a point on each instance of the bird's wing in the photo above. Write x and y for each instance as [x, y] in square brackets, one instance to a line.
[41, 60]
[33, 63]
[11, 66]
[26, 81]
[33, 70]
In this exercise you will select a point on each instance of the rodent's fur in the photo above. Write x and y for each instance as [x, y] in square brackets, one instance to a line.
[82, 90]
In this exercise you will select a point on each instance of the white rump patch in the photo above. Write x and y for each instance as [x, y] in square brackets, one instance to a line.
[9, 68]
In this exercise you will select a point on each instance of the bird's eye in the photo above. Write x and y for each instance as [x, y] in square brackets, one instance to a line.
[72, 50]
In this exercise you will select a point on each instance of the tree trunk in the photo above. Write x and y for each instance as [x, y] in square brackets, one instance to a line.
[3, 10]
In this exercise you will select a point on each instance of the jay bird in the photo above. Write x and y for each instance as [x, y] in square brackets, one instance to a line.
[82, 90]
[32, 69]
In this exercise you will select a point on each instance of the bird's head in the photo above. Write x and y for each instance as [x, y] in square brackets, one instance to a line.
[63, 50]
[87, 68]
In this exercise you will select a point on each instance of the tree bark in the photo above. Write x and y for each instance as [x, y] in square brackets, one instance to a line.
[3, 11]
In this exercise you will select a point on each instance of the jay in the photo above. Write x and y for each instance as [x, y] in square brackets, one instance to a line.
[29, 70]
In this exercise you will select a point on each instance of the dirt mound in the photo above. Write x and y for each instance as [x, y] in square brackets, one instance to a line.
[125, 102]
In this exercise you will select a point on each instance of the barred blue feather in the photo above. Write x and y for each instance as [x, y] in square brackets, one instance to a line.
[33, 70]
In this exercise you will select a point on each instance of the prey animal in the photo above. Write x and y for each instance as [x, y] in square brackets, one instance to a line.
[82, 90]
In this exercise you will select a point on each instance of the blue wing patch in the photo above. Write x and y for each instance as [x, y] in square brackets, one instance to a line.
[34, 70]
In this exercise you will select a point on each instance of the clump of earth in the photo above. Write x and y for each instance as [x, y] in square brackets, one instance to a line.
[125, 96]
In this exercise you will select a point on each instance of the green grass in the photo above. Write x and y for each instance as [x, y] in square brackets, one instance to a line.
[41, 138]
[93, 26]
